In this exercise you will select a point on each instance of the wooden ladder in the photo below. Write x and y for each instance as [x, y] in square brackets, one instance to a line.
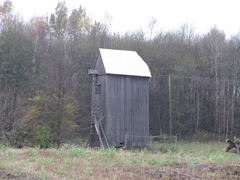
[99, 129]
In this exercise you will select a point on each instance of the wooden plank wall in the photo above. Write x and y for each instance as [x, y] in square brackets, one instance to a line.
[127, 110]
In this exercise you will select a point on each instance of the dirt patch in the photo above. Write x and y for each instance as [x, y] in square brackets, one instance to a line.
[159, 173]
[45, 153]
[195, 170]
[179, 171]
[166, 174]
[8, 175]
[227, 170]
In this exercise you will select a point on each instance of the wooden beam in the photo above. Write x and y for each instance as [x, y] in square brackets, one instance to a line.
[232, 145]
[229, 141]
[237, 148]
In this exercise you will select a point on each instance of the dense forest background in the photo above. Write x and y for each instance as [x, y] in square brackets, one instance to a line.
[45, 91]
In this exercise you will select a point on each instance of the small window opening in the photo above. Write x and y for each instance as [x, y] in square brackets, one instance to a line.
[98, 88]
[121, 144]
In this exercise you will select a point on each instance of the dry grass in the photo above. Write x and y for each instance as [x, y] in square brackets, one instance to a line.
[192, 161]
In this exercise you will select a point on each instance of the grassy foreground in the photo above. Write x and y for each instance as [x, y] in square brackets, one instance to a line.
[192, 161]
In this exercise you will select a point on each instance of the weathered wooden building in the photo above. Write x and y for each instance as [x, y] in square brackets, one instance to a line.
[120, 99]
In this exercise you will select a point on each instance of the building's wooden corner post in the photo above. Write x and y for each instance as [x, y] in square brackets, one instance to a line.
[125, 145]
[164, 138]
[176, 142]
[151, 141]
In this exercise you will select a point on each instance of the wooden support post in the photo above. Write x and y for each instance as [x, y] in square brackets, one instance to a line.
[125, 145]
[98, 131]
[176, 142]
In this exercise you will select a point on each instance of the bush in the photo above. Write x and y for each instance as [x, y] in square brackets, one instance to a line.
[202, 136]
[49, 122]
[3, 147]
[41, 136]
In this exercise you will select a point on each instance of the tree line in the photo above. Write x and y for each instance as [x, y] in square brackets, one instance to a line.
[45, 91]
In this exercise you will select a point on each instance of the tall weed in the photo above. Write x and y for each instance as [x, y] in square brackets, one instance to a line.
[3, 147]
[77, 152]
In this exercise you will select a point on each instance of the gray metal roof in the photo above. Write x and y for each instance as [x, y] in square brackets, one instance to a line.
[123, 62]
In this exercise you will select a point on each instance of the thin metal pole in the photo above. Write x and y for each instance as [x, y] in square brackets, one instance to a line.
[170, 104]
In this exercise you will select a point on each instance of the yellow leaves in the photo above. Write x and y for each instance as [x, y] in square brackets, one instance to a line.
[87, 22]
[33, 110]
[57, 113]
[37, 97]
[79, 21]
[7, 7]
[83, 26]
[6, 11]
[38, 24]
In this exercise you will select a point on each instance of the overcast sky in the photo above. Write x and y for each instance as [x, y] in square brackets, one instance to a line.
[129, 15]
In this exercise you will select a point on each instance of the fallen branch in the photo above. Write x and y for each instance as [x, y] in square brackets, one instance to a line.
[232, 144]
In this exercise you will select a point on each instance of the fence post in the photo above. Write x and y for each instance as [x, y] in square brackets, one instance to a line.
[125, 145]
[160, 135]
[176, 142]
[151, 141]
[164, 138]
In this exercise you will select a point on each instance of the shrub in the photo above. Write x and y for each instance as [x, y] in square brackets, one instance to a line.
[3, 148]
[202, 136]
[50, 120]
[41, 136]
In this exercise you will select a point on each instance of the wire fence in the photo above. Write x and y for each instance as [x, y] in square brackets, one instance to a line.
[162, 138]
[142, 141]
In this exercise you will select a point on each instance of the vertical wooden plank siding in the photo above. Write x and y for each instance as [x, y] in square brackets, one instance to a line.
[127, 110]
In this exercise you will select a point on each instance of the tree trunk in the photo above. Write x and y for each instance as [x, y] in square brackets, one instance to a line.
[233, 107]
[216, 101]
[198, 111]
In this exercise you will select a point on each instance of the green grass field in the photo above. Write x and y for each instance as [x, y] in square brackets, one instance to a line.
[192, 161]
